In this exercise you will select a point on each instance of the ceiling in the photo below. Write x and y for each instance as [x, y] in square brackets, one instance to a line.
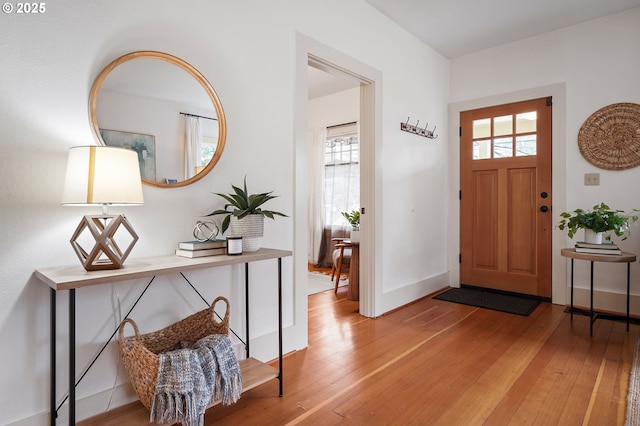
[459, 27]
[322, 83]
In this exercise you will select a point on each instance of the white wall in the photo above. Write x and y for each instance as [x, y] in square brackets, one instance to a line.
[586, 67]
[246, 50]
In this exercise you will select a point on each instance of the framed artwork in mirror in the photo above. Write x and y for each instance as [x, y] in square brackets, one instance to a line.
[144, 145]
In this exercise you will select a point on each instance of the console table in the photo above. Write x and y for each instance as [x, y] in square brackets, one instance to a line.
[71, 278]
[627, 258]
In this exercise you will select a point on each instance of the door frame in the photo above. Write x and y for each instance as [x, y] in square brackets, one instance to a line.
[309, 51]
[558, 171]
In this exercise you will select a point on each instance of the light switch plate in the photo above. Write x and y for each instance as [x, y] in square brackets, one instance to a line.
[592, 179]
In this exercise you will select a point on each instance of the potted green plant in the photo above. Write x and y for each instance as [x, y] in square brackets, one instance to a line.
[596, 221]
[354, 220]
[244, 215]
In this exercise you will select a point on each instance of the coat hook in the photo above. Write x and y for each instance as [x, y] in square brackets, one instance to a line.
[416, 130]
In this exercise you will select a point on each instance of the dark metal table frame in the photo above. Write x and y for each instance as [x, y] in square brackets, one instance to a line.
[71, 396]
[627, 258]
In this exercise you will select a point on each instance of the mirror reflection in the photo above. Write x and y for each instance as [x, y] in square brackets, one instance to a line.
[165, 110]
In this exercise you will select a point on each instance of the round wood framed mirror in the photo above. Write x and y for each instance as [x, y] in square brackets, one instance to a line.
[163, 108]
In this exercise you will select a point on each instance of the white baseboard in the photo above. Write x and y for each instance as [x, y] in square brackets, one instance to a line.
[398, 297]
[101, 402]
[605, 301]
[89, 406]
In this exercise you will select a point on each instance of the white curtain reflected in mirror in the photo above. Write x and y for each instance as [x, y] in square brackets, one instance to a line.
[192, 146]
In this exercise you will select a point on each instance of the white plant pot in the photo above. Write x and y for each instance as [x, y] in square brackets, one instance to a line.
[250, 228]
[355, 236]
[592, 237]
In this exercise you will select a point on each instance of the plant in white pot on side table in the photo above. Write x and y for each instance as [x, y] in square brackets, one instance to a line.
[244, 216]
[354, 220]
[597, 221]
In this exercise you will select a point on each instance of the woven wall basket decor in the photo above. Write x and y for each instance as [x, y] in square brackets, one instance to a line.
[610, 137]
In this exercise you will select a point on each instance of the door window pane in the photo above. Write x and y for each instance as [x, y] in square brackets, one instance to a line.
[482, 128]
[481, 150]
[503, 147]
[526, 145]
[503, 125]
[526, 122]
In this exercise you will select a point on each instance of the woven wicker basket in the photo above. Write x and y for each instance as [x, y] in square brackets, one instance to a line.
[140, 352]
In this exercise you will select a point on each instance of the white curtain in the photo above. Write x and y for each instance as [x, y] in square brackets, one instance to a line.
[192, 146]
[316, 168]
[334, 187]
[342, 174]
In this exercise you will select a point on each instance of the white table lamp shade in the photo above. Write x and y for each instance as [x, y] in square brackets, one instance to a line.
[105, 176]
[102, 175]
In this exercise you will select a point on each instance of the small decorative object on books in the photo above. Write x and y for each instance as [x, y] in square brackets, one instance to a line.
[205, 231]
[604, 248]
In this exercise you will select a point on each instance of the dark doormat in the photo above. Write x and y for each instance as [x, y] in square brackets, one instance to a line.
[498, 301]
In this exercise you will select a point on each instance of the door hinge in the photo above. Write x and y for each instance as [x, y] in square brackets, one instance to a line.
[459, 257]
[549, 100]
[460, 131]
[460, 195]
[361, 210]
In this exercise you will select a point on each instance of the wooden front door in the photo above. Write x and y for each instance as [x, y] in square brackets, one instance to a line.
[505, 198]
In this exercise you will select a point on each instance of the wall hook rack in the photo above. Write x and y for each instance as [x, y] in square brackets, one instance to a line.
[406, 127]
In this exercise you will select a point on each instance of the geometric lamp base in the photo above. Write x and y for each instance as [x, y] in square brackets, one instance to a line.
[107, 233]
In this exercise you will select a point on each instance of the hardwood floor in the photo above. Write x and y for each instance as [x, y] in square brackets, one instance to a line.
[440, 363]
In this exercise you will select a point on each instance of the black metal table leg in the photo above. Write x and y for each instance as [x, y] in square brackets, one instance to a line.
[628, 290]
[280, 323]
[571, 310]
[246, 307]
[591, 303]
[52, 359]
[72, 356]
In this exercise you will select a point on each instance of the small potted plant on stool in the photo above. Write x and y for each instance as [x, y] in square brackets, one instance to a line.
[354, 220]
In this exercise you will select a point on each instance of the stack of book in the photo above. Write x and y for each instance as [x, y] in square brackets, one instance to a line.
[604, 248]
[201, 248]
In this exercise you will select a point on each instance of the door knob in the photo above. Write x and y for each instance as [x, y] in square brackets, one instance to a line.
[544, 194]
[544, 209]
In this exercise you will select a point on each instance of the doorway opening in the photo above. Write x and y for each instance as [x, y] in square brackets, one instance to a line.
[368, 79]
[334, 176]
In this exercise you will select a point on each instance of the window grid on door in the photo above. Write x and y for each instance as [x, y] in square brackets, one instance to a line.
[505, 136]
